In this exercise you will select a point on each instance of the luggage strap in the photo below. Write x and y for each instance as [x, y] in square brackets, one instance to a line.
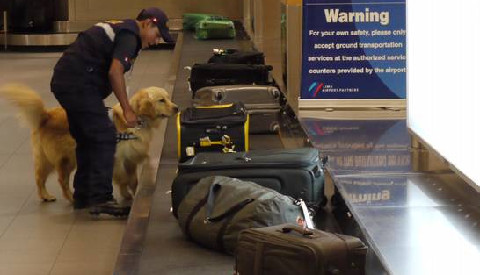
[214, 188]
[209, 199]
[227, 215]
[192, 214]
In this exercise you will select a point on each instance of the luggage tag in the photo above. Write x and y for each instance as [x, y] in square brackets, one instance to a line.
[189, 69]
[190, 151]
[307, 219]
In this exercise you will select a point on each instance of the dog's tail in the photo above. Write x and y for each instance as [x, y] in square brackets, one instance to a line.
[31, 106]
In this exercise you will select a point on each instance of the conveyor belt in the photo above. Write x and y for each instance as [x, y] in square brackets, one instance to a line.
[157, 245]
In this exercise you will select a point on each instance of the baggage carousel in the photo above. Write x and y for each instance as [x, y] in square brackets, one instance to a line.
[416, 216]
[153, 242]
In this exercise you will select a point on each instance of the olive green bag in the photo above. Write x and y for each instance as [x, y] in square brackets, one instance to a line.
[217, 208]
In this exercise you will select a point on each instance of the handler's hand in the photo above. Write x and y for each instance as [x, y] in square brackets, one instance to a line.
[130, 118]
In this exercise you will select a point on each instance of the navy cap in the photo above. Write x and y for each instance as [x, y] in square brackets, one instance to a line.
[159, 18]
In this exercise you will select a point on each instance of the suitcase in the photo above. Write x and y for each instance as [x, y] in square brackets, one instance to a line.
[289, 249]
[32, 16]
[208, 29]
[234, 56]
[261, 102]
[222, 128]
[219, 208]
[203, 75]
[191, 19]
[297, 173]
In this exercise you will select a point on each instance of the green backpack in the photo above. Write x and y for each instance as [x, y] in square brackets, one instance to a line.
[191, 19]
[217, 208]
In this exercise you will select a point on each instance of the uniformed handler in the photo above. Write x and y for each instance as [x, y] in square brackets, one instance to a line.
[84, 76]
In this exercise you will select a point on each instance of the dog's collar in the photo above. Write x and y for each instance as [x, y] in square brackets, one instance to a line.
[141, 123]
[125, 136]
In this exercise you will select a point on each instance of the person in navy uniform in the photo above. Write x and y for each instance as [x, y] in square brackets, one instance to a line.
[88, 71]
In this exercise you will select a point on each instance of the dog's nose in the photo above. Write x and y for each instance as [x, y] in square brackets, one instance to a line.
[175, 109]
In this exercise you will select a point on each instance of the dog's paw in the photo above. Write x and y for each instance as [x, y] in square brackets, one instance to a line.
[127, 196]
[69, 196]
[49, 198]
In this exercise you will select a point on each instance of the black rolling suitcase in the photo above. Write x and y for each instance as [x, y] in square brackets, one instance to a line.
[293, 172]
[203, 75]
[30, 16]
[289, 249]
[222, 128]
[261, 102]
[234, 56]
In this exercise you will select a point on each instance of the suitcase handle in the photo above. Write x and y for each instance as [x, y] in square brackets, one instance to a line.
[226, 142]
[300, 230]
[220, 81]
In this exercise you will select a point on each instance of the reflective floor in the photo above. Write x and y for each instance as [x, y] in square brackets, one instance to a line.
[50, 238]
[417, 216]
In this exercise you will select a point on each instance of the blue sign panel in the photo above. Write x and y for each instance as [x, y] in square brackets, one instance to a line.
[357, 146]
[354, 49]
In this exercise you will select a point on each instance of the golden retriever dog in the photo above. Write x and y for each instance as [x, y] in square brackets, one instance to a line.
[54, 148]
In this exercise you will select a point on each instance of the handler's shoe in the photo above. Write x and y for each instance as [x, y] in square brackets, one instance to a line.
[80, 204]
[110, 207]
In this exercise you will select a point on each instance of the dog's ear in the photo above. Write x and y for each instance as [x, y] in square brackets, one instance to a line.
[146, 108]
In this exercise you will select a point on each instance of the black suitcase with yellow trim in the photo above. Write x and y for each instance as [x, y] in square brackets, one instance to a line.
[218, 128]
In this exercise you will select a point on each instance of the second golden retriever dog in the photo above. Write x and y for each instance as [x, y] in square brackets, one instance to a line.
[54, 148]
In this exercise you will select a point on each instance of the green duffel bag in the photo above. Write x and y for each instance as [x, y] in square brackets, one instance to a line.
[207, 29]
[191, 19]
[217, 208]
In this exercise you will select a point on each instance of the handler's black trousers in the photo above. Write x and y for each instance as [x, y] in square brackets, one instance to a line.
[94, 134]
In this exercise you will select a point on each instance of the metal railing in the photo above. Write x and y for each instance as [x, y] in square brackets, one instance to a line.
[5, 30]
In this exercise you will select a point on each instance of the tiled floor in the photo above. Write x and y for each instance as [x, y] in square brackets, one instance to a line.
[52, 238]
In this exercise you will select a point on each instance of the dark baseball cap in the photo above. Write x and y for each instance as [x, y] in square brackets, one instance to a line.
[159, 18]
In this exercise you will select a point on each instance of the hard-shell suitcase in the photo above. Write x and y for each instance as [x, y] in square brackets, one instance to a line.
[207, 29]
[219, 208]
[289, 249]
[234, 56]
[222, 128]
[297, 173]
[261, 102]
[191, 19]
[203, 75]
